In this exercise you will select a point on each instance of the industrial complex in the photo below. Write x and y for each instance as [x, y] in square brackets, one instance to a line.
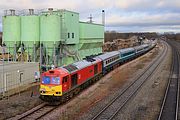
[56, 65]
[50, 37]
[35, 40]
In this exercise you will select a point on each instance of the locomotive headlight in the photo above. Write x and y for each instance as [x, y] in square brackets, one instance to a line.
[58, 92]
[42, 91]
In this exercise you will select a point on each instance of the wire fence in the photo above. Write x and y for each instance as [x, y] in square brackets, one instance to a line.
[16, 77]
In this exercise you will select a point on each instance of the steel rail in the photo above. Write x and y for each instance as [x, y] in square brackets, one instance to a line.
[35, 113]
[169, 107]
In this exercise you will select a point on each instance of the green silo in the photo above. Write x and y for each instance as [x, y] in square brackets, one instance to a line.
[49, 34]
[30, 34]
[11, 32]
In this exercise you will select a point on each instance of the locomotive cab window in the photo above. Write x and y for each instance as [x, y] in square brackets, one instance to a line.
[55, 80]
[46, 80]
[65, 79]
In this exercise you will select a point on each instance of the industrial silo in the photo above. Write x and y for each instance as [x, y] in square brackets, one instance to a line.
[30, 34]
[49, 35]
[11, 31]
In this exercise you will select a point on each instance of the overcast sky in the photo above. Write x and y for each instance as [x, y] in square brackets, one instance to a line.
[121, 15]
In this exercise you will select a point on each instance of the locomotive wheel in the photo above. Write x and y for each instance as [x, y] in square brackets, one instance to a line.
[77, 91]
[71, 95]
[63, 100]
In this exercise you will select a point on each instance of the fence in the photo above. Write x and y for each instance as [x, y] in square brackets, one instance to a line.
[13, 76]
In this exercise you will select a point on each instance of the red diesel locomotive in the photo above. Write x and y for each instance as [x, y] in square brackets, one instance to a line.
[62, 83]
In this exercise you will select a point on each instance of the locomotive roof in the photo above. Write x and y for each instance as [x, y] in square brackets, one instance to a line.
[79, 65]
[82, 64]
[108, 55]
[70, 68]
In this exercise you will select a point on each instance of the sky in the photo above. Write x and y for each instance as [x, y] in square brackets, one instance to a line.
[121, 15]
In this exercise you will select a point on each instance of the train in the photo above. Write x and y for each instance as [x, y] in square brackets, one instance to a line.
[63, 83]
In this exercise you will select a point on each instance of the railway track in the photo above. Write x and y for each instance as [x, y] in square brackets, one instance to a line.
[35, 113]
[116, 104]
[169, 108]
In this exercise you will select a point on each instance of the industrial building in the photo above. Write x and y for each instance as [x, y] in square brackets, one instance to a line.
[52, 36]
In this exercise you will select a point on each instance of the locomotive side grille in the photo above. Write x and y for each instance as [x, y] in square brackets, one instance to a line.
[51, 71]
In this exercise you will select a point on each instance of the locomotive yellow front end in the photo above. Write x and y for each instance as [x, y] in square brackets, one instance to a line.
[50, 87]
[51, 90]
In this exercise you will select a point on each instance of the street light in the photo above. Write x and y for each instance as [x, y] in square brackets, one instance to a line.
[20, 74]
[3, 51]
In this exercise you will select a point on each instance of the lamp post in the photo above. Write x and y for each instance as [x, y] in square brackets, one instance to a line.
[20, 79]
[3, 51]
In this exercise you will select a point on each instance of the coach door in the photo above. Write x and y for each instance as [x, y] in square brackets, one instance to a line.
[74, 79]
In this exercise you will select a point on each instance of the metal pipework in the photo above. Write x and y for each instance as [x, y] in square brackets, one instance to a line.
[31, 11]
[12, 12]
[50, 10]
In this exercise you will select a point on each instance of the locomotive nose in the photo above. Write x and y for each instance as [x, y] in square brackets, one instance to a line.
[51, 90]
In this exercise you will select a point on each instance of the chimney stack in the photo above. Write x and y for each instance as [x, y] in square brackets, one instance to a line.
[103, 17]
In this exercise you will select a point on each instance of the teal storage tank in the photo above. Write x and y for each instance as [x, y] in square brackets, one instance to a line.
[50, 33]
[30, 30]
[11, 32]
